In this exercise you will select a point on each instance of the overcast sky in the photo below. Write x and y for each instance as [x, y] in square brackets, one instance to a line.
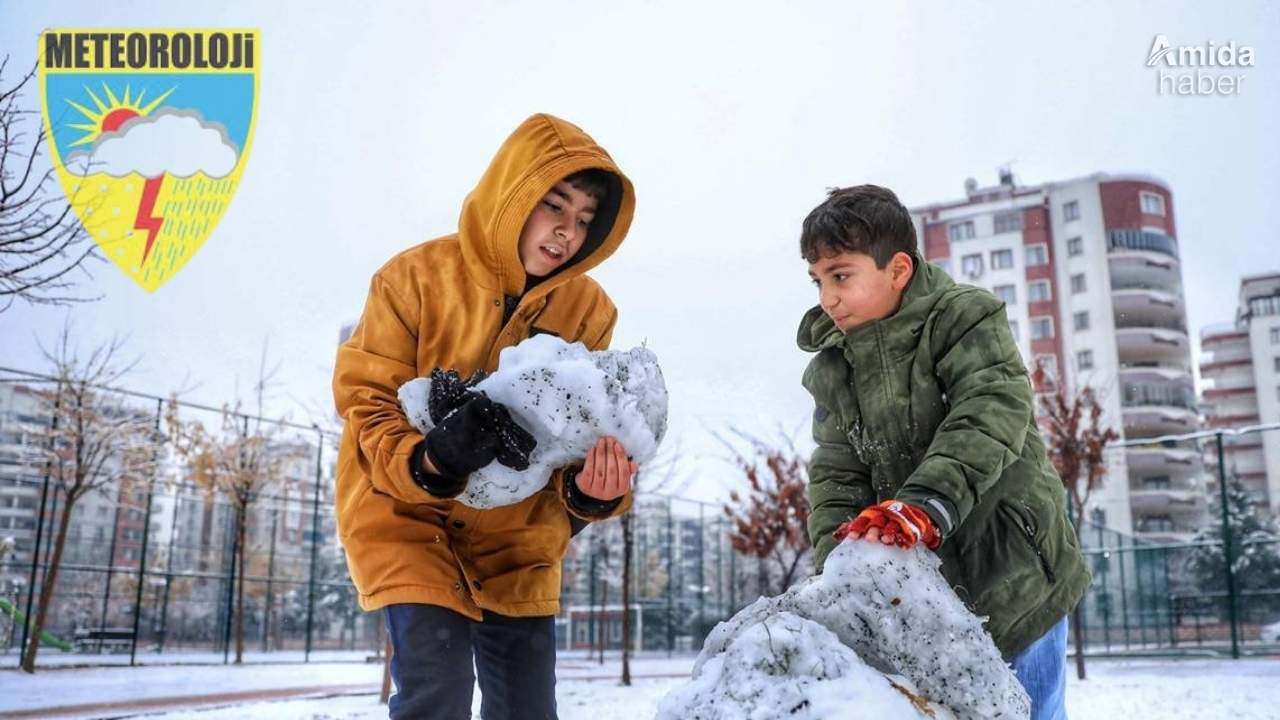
[375, 122]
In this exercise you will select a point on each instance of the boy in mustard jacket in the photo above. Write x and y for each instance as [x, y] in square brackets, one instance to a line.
[458, 583]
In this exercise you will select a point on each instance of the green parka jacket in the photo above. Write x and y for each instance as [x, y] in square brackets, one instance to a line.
[933, 406]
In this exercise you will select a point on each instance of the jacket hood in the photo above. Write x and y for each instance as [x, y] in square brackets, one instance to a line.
[818, 331]
[540, 153]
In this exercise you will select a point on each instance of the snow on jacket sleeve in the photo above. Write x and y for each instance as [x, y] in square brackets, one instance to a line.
[839, 483]
[379, 356]
[990, 408]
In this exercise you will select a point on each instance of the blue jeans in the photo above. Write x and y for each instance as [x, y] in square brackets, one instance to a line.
[433, 649]
[1042, 670]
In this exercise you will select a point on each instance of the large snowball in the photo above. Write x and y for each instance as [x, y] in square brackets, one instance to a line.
[895, 612]
[567, 397]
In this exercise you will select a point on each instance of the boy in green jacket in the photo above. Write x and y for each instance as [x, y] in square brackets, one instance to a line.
[925, 432]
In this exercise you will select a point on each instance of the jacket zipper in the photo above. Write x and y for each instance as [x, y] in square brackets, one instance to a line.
[1030, 534]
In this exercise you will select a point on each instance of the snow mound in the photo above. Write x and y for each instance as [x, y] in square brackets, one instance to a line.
[567, 397]
[889, 609]
[787, 666]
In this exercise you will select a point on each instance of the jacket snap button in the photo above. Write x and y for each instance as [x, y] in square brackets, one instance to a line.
[459, 524]
[457, 586]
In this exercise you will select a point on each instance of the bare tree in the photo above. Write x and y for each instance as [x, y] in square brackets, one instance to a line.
[242, 461]
[41, 239]
[770, 522]
[1076, 441]
[94, 443]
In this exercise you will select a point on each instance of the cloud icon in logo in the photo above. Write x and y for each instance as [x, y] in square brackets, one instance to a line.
[177, 142]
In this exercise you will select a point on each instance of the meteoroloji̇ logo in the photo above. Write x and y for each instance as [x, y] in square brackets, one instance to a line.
[1202, 76]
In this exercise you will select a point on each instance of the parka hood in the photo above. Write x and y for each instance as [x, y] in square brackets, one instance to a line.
[541, 152]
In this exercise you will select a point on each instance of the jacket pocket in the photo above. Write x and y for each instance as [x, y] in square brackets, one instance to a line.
[1022, 517]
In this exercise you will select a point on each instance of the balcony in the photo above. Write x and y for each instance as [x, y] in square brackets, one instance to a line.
[1215, 362]
[1167, 500]
[1155, 459]
[1142, 344]
[1152, 409]
[1156, 372]
[1166, 537]
[1119, 241]
[1175, 395]
[1172, 527]
[1224, 336]
[1144, 270]
[1149, 308]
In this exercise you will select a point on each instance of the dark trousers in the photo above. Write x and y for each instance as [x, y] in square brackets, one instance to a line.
[431, 664]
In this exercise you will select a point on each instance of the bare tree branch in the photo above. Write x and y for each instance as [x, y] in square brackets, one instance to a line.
[41, 239]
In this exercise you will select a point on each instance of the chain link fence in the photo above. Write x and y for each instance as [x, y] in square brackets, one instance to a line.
[152, 566]
[1201, 573]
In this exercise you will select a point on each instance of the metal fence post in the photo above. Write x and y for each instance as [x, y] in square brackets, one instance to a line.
[271, 571]
[1227, 550]
[315, 541]
[231, 581]
[44, 499]
[111, 561]
[1124, 593]
[671, 580]
[168, 574]
[146, 536]
[702, 581]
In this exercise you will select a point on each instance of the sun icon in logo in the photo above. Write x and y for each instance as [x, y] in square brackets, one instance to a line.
[112, 114]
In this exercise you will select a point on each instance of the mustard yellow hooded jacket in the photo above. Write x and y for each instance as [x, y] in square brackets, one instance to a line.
[441, 304]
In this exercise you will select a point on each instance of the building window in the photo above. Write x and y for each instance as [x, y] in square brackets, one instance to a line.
[1075, 246]
[1037, 255]
[1001, 259]
[1008, 222]
[1008, 294]
[1084, 360]
[1070, 211]
[1049, 363]
[1159, 482]
[1039, 291]
[1152, 204]
[1041, 328]
[1013, 329]
[1275, 336]
[960, 231]
[1081, 320]
[1264, 305]
[1078, 284]
[971, 265]
[1277, 364]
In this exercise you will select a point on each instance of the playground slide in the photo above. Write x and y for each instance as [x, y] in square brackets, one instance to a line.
[19, 617]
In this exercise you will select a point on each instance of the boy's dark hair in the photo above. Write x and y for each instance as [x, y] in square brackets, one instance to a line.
[594, 182]
[864, 219]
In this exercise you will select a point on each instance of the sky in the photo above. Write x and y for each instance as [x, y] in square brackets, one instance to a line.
[731, 119]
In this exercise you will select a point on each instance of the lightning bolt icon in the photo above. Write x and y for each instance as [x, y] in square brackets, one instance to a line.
[146, 219]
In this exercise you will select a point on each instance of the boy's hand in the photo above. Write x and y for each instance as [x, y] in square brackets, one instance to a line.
[450, 392]
[475, 434]
[606, 474]
[892, 522]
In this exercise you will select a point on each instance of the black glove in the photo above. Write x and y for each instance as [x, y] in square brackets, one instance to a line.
[475, 434]
[450, 392]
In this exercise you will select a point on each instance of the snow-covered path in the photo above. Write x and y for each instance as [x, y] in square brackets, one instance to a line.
[1119, 690]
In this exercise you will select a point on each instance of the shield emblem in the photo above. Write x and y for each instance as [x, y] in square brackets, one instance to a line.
[149, 131]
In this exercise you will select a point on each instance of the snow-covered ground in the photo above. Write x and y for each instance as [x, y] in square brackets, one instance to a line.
[1123, 690]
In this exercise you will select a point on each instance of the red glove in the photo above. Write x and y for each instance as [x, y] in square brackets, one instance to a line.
[899, 524]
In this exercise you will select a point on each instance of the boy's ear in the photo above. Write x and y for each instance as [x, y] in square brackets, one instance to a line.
[901, 268]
